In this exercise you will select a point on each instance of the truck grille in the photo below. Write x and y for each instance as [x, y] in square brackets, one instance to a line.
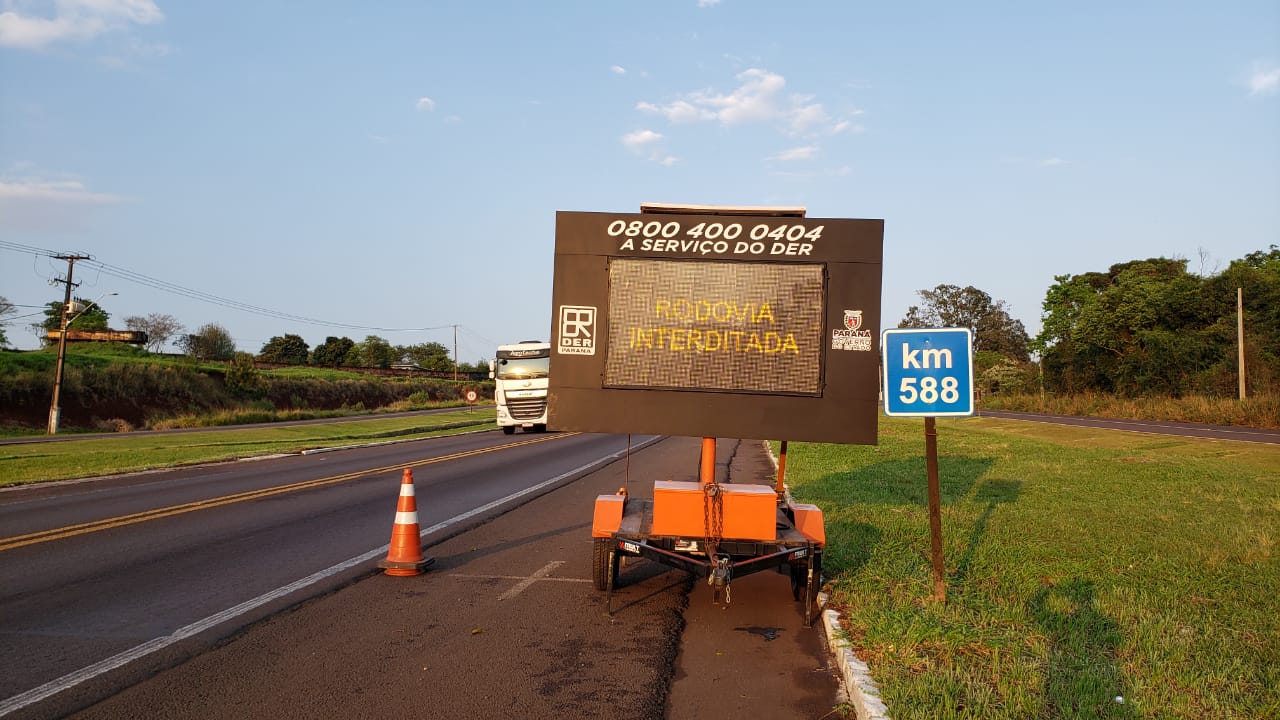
[526, 408]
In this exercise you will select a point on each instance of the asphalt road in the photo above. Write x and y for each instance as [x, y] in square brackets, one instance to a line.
[185, 612]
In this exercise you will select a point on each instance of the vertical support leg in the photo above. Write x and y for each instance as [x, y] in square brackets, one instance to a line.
[613, 571]
[813, 583]
[781, 486]
[935, 508]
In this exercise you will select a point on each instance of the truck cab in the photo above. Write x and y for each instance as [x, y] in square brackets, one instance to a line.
[519, 372]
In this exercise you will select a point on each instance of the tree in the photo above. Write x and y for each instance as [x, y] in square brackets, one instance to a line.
[332, 352]
[480, 366]
[429, 356]
[210, 342]
[1144, 327]
[6, 309]
[373, 352]
[993, 328]
[288, 350]
[89, 316]
[159, 328]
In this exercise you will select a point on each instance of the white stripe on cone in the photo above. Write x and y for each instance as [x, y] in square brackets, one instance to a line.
[407, 518]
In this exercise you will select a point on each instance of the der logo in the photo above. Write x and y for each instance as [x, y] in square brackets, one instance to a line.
[577, 330]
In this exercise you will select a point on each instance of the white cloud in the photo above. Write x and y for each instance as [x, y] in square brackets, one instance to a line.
[800, 153]
[640, 138]
[1264, 80]
[74, 20]
[71, 192]
[617, 70]
[649, 144]
[425, 103]
[759, 98]
[1052, 162]
[707, 3]
[32, 203]
[678, 111]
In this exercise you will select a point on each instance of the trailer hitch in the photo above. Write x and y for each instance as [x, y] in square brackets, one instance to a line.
[719, 578]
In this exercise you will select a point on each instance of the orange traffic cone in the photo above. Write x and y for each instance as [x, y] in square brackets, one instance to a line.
[405, 555]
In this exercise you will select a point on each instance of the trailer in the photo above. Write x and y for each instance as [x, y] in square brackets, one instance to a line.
[716, 531]
[715, 322]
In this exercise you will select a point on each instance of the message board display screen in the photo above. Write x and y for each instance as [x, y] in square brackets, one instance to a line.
[716, 322]
[728, 326]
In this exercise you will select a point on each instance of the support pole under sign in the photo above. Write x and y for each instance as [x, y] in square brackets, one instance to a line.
[929, 373]
[935, 508]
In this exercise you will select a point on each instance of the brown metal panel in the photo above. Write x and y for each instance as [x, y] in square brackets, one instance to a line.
[723, 326]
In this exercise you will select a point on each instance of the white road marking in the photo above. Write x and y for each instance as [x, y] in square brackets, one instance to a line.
[526, 582]
[517, 577]
[70, 680]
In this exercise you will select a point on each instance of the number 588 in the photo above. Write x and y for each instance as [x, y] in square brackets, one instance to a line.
[929, 390]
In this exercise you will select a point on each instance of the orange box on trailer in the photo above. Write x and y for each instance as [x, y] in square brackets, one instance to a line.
[748, 512]
[809, 522]
[608, 515]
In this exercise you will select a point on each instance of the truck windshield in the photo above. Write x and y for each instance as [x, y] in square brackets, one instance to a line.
[520, 368]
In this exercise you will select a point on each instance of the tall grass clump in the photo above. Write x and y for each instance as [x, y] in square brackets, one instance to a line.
[1261, 411]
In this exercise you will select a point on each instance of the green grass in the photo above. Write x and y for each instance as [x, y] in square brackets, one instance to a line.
[129, 452]
[1082, 566]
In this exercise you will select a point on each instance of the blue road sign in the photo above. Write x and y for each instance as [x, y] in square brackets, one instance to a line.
[928, 372]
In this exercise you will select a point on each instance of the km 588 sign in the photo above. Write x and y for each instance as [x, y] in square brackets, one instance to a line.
[928, 372]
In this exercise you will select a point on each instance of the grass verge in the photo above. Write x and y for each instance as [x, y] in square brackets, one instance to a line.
[131, 452]
[1090, 574]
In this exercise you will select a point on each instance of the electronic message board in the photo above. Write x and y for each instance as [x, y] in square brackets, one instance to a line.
[716, 325]
[686, 324]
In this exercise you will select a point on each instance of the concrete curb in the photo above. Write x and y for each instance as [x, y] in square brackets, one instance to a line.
[859, 689]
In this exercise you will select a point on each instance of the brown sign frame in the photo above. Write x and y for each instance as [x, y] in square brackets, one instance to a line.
[845, 408]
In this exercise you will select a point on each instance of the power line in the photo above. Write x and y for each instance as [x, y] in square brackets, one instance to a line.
[175, 289]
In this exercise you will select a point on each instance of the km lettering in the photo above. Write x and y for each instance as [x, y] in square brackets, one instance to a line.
[922, 359]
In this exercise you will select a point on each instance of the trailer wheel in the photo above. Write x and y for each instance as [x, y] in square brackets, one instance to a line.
[509, 429]
[602, 550]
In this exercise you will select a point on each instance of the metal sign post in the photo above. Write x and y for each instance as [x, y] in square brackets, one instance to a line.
[928, 373]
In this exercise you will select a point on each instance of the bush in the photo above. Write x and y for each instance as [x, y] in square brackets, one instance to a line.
[242, 377]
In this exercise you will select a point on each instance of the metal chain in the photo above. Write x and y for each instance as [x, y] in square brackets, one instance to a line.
[712, 518]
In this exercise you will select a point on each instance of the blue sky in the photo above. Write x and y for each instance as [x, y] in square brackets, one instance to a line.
[389, 167]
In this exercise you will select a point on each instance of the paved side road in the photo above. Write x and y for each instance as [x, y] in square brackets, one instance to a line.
[507, 624]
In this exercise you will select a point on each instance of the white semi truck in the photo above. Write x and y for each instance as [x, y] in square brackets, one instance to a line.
[519, 375]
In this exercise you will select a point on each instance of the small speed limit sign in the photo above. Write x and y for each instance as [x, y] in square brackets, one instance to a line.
[471, 396]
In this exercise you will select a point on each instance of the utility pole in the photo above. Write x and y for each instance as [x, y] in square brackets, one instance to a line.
[1240, 334]
[54, 409]
[455, 353]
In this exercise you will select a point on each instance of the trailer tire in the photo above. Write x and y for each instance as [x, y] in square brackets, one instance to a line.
[601, 550]
[509, 429]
